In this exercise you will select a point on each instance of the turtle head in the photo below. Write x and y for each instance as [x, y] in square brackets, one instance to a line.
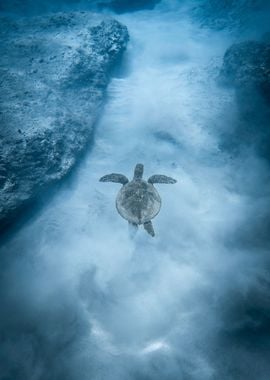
[138, 172]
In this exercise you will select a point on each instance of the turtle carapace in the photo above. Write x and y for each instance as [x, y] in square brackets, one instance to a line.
[138, 201]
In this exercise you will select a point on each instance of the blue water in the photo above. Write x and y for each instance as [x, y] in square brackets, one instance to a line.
[148, 306]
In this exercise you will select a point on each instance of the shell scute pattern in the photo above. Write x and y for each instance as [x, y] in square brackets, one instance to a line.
[138, 201]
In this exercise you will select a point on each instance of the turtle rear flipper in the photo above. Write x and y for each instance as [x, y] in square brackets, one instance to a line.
[114, 177]
[148, 226]
[160, 178]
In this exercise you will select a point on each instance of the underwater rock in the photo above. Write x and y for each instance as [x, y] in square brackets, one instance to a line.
[246, 67]
[54, 71]
[247, 64]
[232, 14]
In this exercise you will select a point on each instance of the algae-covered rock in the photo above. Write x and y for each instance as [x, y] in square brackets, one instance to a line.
[54, 71]
[246, 67]
[247, 64]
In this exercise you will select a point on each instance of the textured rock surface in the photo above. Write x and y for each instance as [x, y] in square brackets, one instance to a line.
[233, 13]
[246, 66]
[54, 72]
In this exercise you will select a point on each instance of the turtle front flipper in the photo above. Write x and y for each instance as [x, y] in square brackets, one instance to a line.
[160, 178]
[138, 172]
[114, 177]
[148, 226]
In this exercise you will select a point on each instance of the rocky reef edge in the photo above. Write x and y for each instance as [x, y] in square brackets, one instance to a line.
[54, 71]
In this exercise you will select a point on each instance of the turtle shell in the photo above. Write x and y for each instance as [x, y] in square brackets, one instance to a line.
[138, 202]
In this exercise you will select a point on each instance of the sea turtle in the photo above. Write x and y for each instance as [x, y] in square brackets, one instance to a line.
[138, 201]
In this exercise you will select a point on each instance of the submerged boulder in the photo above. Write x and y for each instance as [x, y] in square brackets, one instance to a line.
[233, 14]
[54, 71]
[247, 64]
[246, 67]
